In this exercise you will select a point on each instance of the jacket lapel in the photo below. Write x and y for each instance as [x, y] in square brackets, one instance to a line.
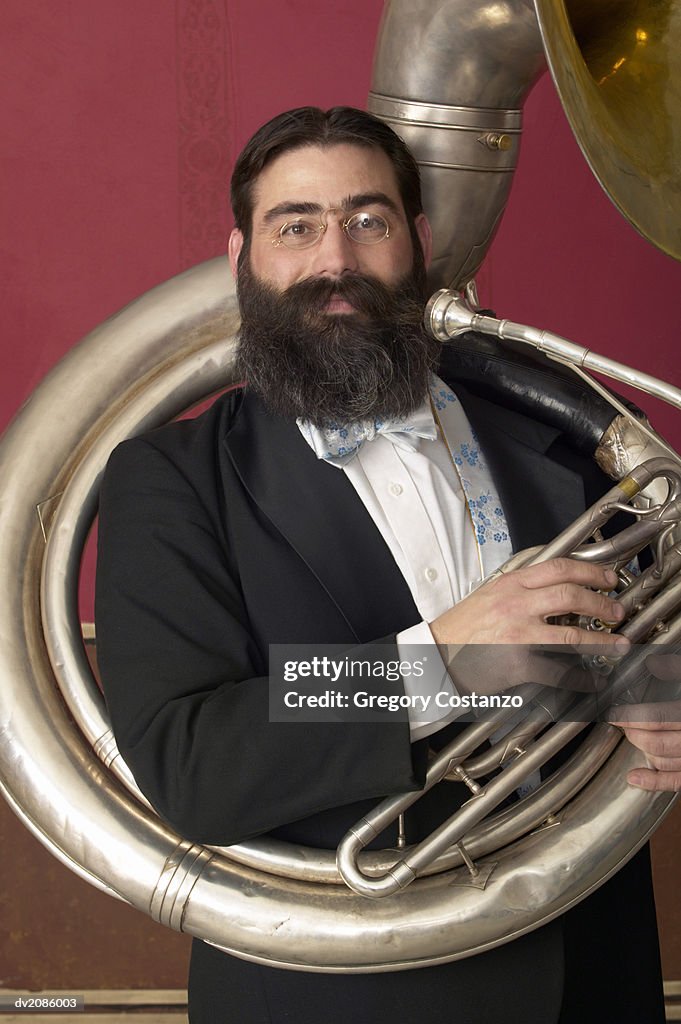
[315, 508]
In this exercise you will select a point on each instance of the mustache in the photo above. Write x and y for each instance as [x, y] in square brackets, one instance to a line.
[368, 296]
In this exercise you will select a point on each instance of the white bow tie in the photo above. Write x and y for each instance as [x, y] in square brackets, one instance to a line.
[339, 443]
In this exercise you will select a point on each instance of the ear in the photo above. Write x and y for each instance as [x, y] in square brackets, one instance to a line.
[236, 241]
[424, 231]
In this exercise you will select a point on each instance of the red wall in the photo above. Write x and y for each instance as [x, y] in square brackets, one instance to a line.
[119, 122]
[119, 125]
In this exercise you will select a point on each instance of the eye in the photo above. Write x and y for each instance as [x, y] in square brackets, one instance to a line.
[367, 227]
[368, 221]
[299, 232]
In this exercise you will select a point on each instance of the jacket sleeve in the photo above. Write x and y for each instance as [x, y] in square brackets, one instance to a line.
[186, 684]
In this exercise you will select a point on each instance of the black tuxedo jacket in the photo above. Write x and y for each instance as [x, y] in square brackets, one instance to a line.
[222, 535]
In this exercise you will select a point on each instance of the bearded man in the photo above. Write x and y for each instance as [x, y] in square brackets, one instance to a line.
[323, 502]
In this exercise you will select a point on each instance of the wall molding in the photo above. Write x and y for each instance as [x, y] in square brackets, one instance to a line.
[108, 1006]
[672, 1000]
[169, 1006]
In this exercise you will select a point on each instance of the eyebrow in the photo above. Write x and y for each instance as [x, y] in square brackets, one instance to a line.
[354, 202]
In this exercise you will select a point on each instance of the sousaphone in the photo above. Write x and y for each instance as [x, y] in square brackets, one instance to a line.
[451, 77]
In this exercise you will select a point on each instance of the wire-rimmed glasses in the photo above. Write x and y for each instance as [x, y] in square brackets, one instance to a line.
[363, 227]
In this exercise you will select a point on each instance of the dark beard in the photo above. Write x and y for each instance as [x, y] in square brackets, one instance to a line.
[330, 368]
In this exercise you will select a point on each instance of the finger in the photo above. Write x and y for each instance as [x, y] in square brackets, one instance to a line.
[665, 715]
[663, 764]
[569, 598]
[664, 745]
[566, 570]
[648, 778]
[559, 587]
[581, 639]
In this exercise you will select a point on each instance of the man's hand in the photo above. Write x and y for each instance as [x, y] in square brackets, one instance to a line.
[655, 729]
[513, 608]
[497, 637]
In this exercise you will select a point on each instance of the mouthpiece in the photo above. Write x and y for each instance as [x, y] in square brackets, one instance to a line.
[448, 315]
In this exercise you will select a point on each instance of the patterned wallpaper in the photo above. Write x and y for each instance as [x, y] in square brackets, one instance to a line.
[204, 121]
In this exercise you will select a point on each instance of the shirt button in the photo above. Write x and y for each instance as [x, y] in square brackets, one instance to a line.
[396, 489]
[431, 575]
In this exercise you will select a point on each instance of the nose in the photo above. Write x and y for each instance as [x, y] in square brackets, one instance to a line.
[335, 252]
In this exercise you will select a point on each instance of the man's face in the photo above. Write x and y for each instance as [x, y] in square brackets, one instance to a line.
[333, 332]
[344, 179]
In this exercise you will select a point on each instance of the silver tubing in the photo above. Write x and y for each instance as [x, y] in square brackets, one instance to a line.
[450, 78]
[448, 316]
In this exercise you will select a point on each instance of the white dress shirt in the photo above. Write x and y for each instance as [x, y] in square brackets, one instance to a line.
[436, 508]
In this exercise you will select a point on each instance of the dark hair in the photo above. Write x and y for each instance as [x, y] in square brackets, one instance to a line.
[311, 126]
